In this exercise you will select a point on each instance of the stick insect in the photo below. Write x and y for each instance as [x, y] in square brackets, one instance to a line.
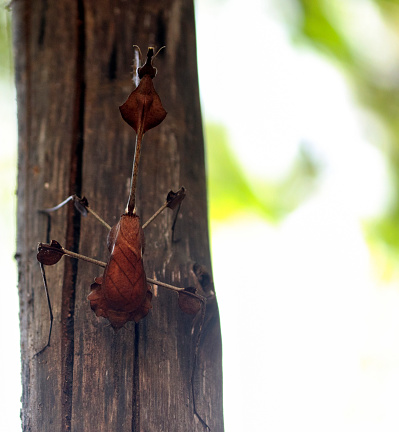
[123, 292]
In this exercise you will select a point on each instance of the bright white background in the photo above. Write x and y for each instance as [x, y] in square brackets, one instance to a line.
[310, 336]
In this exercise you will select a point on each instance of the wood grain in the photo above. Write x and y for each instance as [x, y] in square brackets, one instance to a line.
[73, 71]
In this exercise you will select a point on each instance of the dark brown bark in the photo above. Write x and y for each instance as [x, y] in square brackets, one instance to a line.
[73, 70]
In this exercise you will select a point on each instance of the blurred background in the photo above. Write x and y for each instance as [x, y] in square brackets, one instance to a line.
[300, 105]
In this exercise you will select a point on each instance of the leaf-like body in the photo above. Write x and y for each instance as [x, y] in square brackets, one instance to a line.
[122, 294]
[143, 108]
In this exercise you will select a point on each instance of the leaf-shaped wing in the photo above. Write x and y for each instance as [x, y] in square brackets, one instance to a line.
[122, 293]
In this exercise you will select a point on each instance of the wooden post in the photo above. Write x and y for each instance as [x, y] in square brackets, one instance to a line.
[73, 69]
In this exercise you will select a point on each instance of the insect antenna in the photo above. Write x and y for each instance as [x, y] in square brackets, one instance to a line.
[160, 49]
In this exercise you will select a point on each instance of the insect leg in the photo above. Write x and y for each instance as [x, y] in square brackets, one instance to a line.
[173, 199]
[49, 308]
[58, 206]
[82, 205]
[102, 221]
[157, 213]
[50, 254]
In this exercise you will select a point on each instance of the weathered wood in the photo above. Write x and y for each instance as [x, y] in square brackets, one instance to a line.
[73, 70]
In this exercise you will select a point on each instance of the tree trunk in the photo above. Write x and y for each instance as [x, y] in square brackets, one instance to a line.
[73, 70]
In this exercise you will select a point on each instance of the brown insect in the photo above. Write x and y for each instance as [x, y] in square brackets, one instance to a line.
[123, 292]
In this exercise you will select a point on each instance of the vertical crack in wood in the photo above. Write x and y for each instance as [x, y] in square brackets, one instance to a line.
[113, 64]
[136, 382]
[73, 227]
[42, 25]
[160, 30]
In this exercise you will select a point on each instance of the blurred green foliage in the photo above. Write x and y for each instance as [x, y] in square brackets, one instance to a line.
[6, 63]
[326, 26]
[318, 28]
[230, 192]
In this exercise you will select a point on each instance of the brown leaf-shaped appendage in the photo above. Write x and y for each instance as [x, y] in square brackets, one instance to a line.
[143, 107]
[49, 254]
[189, 304]
[173, 199]
[122, 293]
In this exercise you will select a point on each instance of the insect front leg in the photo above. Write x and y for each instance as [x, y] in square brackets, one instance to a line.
[49, 308]
[173, 200]
[81, 205]
[49, 254]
